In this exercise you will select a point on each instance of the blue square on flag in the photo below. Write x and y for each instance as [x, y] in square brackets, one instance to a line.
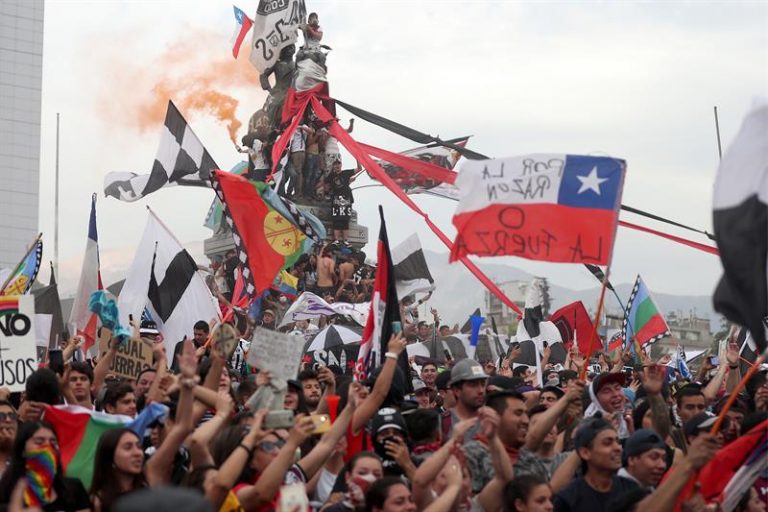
[591, 182]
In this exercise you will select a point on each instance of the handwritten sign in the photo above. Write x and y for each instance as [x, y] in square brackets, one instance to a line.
[279, 353]
[131, 358]
[18, 350]
[542, 207]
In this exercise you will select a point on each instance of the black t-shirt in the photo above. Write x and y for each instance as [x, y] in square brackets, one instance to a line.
[71, 498]
[340, 183]
[578, 496]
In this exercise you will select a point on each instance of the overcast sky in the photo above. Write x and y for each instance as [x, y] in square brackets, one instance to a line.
[636, 81]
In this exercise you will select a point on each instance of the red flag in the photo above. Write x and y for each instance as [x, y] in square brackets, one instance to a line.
[385, 310]
[573, 322]
[265, 244]
[562, 208]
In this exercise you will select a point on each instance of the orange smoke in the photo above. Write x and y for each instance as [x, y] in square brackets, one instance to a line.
[197, 72]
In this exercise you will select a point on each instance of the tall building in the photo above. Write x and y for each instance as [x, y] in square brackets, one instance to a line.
[21, 77]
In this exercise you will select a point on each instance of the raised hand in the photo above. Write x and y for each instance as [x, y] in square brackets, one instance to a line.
[187, 360]
[653, 379]
[224, 404]
[396, 343]
[303, 426]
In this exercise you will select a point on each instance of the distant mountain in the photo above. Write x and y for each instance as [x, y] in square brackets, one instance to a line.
[458, 292]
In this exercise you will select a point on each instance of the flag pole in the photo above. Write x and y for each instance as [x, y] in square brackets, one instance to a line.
[593, 334]
[23, 259]
[717, 131]
[56, 204]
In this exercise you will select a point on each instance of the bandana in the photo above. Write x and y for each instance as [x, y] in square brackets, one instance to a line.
[42, 465]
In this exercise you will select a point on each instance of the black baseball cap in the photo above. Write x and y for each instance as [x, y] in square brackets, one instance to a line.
[604, 379]
[388, 418]
[588, 430]
[641, 441]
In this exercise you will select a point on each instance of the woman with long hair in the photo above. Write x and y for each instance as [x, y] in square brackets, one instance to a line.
[359, 473]
[44, 484]
[118, 467]
[528, 493]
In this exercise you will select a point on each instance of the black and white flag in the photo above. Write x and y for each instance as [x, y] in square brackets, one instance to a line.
[740, 214]
[181, 160]
[164, 278]
[411, 270]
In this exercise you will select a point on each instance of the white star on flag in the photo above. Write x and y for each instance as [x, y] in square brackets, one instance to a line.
[591, 182]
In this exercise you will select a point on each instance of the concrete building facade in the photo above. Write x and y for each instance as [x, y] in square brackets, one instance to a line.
[21, 77]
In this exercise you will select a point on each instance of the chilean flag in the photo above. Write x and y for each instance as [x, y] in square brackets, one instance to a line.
[242, 27]
[83, 320]
[384, 312]
[561, 208]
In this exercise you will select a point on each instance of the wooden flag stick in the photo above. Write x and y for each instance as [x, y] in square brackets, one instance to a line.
[593, 334]
[735, 393]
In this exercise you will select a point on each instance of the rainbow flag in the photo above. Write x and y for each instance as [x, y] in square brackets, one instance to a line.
[9, 304]
[643, 320]
[79, 429]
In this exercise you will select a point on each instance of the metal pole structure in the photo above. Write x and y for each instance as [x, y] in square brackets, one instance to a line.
[56, 206]
[717, 129]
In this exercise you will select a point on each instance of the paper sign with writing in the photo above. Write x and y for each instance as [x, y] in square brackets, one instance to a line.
[18, 350]
[131, 358]
[279, 353]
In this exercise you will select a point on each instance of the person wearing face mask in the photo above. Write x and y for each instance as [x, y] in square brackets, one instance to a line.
[37, 440]
[360, 472]
[390, 443]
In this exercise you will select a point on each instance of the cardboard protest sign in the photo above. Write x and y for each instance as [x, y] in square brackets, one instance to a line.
[279, 353]
[132, 357]
[18, 350]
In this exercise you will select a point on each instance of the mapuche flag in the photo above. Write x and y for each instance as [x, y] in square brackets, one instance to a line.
[561, 208]
[740, 219]
[265, 240]
[385, 309]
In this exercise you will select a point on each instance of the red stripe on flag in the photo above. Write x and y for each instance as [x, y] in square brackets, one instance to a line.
[653, 327]
[689, 243]
[244, 28]
[420, 167]
[548, 232]
[70, 429]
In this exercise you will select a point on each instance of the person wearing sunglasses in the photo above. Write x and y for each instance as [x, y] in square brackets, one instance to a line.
[9, 425]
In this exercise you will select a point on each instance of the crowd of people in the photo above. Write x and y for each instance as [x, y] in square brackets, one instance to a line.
[469, 437]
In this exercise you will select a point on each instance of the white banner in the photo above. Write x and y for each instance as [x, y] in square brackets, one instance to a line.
[308, 306]
[275, 26]
[18, 351]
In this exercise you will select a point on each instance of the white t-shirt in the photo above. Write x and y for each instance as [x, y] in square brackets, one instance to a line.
[297, 140]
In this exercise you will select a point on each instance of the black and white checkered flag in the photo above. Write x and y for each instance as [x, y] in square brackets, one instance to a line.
[181, 160]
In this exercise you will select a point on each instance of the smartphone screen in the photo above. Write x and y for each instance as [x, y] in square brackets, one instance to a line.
[56, 361]
[714, 360]
[397, 327]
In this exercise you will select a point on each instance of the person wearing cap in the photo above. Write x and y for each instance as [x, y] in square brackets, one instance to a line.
[390, 435]
[467, 384]
[703, 423]
[447, 398]
[268, 318]
[645, 458]
[607, 395]
[599, 450]
[422, 394]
